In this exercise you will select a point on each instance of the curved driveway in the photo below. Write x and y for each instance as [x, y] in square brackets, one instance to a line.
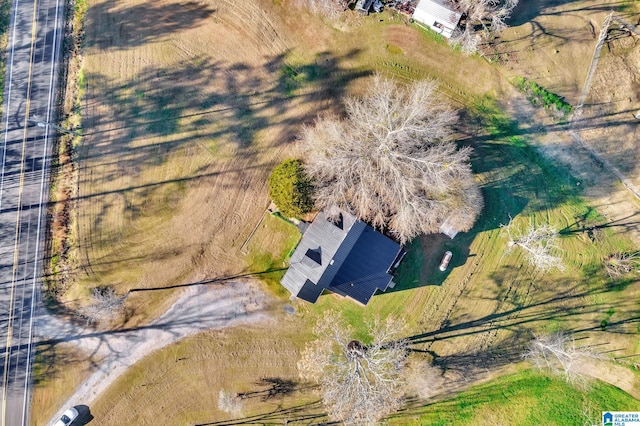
[29, 94]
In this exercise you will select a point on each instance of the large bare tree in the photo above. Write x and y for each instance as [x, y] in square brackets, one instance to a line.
[392, 162]
[362, 382]
[559, 354]
[490, 16]
[539, 243]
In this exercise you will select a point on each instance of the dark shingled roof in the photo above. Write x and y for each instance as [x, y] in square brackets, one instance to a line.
[352, 260]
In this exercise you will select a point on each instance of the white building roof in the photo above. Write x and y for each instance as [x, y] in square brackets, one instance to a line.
[437, 15]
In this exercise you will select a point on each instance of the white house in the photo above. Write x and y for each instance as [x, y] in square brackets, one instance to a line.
[437, 15]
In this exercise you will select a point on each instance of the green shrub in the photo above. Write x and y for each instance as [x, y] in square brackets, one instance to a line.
[538, 95]
[290, 188]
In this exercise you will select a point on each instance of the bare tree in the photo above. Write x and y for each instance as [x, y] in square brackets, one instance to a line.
[105, 306]
[620, 264]
[423, 378]
[360, 383]
[230, 403]
[539, 244]
[590, 416]
[392, 161]
[558, 354]
[489, 15]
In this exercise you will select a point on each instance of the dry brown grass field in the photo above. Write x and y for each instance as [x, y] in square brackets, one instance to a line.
[187, 108]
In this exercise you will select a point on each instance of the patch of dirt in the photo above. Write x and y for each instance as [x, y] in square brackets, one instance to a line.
[608, 121]
[617, 375]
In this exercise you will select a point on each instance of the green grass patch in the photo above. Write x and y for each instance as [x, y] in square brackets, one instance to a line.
[428, 33]
[393, 49]
[409, 272]
[269, 250]
[541, 191]
[298, 71]
[540, 96]
[82, 84]
[81, 7]
[289, 78]
[523, 399]
[517, 182]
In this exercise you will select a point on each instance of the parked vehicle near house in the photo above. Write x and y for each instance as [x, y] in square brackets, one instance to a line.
[444, 263]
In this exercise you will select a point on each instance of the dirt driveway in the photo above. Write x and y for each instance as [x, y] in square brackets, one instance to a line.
[198, 308]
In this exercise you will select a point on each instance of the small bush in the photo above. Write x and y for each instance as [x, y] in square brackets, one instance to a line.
[229, 403]
[538, 95]
[290, 188]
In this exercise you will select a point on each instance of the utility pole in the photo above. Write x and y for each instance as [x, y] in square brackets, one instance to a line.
[594, 63]
[44, 124]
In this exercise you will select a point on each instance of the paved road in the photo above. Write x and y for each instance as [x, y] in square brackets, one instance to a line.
[33, 47]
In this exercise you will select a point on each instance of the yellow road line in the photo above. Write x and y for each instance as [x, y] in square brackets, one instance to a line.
[20, 187]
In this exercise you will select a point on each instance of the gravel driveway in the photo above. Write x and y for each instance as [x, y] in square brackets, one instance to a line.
[197, 309]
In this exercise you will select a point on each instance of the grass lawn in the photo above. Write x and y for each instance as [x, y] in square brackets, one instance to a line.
[58, 369]
[477, 315]
[269, 249]
[180, 384]
[523, 399]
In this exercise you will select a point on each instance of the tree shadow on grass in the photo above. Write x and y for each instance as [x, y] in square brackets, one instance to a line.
[244, 98]
[513, 177]
[309, 413]
[141, 24]
[528, 11]
[562, 308]
[205, 112]
[275, 388]
[202, 102]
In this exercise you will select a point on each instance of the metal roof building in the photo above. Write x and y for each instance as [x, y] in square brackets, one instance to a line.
[437, 15]
[347, 257]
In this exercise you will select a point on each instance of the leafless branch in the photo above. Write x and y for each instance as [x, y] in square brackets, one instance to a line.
[230, 403]
[392, 161]
[558, 354]
[423, 378]
[619, 264]
[105, 307]
[360, 383]
[590, 416]
[489, 15]
[539, 243]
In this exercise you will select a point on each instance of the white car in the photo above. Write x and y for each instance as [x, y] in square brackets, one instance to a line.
[67, 418]
[445, 260]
